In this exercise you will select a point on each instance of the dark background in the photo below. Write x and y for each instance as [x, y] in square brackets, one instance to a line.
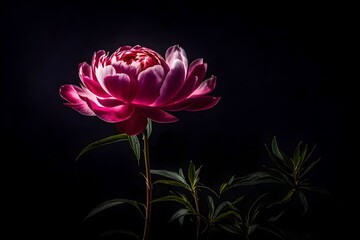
[280, 73]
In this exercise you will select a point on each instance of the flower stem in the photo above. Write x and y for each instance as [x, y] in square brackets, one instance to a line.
[148, 186]
[198, 220]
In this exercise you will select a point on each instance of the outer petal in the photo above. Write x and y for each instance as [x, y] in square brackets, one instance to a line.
[70, 93]
[85, 70]
[205, 87]
[197, 69]
[197, 103]
[150, 81]
[176, 52]
[121, 86]
[94, 87]
[192, 79]
[112, 114]
[96, 57]
[173, 82]
[103, 72]
[134, 125]
[158, 115]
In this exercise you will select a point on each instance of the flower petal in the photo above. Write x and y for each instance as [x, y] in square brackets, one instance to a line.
[94, 87]
[87, 78]
[150, 81]
[197, 103]
[172, 84]
[205, 87]
[81, 107]
[134, 125]
[109, 102]
[121, 87]
[85, 70]
[158, 115]
[102, 72]
[112, 114]
[197, 69]
[176, 52]
[96, 57]
[70, 93]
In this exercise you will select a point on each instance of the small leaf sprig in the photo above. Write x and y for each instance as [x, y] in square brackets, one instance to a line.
[289, 171]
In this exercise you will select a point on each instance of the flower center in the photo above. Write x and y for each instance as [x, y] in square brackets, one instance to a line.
[140, 58]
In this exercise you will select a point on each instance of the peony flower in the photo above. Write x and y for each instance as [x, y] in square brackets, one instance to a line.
[135, 84]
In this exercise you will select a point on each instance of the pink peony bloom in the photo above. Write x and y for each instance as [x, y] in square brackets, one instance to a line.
[137, 83]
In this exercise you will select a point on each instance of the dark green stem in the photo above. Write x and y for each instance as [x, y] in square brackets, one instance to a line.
[198, 219]
[148, 186]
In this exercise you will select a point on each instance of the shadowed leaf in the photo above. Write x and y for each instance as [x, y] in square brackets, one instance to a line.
[169, 174]
[102, 142]
[115, 202]
[135, 146]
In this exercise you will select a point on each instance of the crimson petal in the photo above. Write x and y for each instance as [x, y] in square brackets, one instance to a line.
[197, 103]
[112, 114]
[135, 125]
[120, 86]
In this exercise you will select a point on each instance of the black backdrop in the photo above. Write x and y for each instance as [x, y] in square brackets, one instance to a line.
[278, 72]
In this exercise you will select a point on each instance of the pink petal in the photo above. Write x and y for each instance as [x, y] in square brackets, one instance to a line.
[109, 102]
[112, 114]
[205, 87]
[150, 81]
[158, 115]
[197, 103]
[135, 125]
[197, 69]
[103, 72]
[85, 70]
[94, 87]
[82, 108]
[121, 87]
[172, 84]
[70, 93]
[176, 52]
[95, 60]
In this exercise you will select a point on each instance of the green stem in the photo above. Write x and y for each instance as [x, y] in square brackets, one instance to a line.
[148, 186]
[198, 219]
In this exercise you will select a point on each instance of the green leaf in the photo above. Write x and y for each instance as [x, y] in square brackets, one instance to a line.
[211, 205]
[285, 199]
[172, 183]
[303, 201]
[135, 146]
[275, 218]
[209, 189]
[182, 212]
[115, 202]
[309, 168]
[229, 228]
[149, 127]
[225, 215]
[251, 229]
[181, 198]
[172, 175]
[296, 155]
[255, 178]
[310, 153]
[275, 149]
[102, 142]
[254, 209]
[281, 164]
[191, 175]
